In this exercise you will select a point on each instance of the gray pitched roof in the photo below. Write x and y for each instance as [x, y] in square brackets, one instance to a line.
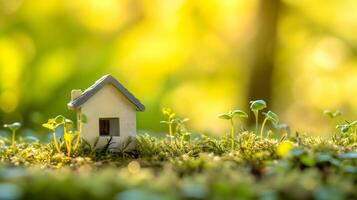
[92, 90]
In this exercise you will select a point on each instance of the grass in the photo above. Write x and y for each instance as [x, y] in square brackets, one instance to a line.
[298, 167]
[241, 165]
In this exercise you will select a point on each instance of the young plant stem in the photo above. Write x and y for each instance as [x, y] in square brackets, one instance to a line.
[79, 131]
[262, 129]
[68, 145]
[232, 125]
[69, 148]
[182, 138]
[170, 132]
[13, 138]
[55, 142]
[77, 140]
[256, 121]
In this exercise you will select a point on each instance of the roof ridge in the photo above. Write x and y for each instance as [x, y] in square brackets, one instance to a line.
[98, 85]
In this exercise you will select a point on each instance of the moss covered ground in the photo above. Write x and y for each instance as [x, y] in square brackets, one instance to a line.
[291, 167]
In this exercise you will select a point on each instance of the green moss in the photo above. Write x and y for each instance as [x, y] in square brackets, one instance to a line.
[203, 168]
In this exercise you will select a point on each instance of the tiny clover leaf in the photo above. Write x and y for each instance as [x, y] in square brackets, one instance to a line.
[271, 116]
[240, 113]
[166, 122]
[344, 128]
[60, 119]
[257, 105]
[180, 121]
[185, 120]
[224, 116]
[330, 114]
[229, 115]
[14, 126]
[347, 126]
[49, 125]
[166, 111]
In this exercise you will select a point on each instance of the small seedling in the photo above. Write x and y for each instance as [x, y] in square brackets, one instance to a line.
[256, 106]
[185, 136]
[69, 133]
[348, 127]
[170, 121]
[181, 129]
[230, 116]
[52, 124]
[13, 128]
[332, 115]
[269, 116]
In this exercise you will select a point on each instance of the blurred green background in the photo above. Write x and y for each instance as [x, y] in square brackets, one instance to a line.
[200, 58]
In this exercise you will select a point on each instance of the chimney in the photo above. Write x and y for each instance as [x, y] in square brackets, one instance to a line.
[75, 94]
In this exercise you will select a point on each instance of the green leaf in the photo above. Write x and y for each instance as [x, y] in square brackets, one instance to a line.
[185, 120]
[240, 113]
[180, 121]
[257, 105]
[60, 119]
[224, 116]
[50, 126]
[330, 114]
[337, 113]
[13, 126]
[274, 118]
[344, 128]
[353, 123]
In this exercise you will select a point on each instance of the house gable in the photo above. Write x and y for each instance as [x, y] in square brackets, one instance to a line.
[97, 86]
[109, 103]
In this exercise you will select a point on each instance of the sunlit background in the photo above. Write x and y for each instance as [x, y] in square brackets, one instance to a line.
[200, 58]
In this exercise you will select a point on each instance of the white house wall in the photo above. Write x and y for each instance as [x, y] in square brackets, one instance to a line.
[108, 103]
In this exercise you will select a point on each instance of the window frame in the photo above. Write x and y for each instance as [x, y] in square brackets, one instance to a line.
[110, 124]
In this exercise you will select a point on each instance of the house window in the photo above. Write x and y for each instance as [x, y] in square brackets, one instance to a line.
[109, 127]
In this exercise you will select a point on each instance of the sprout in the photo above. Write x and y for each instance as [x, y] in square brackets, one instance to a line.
[181, 129]
[332, 115]
[176, 122]
[269, 116]
[185, 136]
[13, 128]
[229, 116]
[52, 124]
[170, 120]
[69, 133]
[256, 106]
[348, 126]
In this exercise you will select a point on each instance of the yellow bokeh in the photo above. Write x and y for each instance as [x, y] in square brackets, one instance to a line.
[199, 58]
[284, 148]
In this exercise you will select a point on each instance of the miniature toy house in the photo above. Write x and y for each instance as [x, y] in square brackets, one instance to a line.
[110, 110]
